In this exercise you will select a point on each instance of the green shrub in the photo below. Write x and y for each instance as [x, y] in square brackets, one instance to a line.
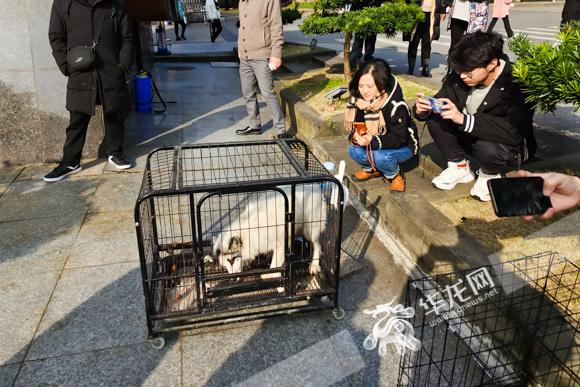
[290, 13]
[549, 73]
[306, 5]
[390, 17]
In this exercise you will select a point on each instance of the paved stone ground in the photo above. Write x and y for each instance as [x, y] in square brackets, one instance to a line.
[72, 301]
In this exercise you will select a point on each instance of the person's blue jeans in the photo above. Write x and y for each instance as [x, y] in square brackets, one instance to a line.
[386, 160]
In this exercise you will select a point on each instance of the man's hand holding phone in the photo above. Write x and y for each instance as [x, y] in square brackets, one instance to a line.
[450, 112]
[422, 106]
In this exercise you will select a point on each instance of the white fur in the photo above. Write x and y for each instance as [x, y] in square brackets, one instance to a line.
[260, 228]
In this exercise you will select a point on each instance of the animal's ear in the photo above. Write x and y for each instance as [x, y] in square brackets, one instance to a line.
[235, 244]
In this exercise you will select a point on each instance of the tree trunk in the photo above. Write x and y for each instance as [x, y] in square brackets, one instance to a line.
[346, 53]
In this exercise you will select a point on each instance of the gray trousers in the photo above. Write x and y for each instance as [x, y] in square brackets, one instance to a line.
[254, 74]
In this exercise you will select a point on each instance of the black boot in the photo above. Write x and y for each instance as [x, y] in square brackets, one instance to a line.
[426, 72]
[411, 67]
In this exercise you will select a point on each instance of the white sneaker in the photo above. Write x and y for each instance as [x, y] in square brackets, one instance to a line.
[453, 175]
[480, 189]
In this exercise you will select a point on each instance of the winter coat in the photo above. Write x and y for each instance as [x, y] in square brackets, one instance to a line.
[75, 23]
[478, 15]
[435, 21]
[211, 11]
[503, 116]
[501, 8]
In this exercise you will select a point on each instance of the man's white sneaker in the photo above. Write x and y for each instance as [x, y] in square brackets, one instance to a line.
[453, 175]
[480, 189]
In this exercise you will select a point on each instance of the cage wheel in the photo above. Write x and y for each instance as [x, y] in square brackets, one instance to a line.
[338, 313]
[157, 343]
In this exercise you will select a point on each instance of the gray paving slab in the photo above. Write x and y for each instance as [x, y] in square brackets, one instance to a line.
[153, 121]
[37, 245]
[8, 174]
[319, 364]
[90, 167]
[232, 356]
[35, 171]
[33, 199]
[103, 239]
[154, 139]
[131, 365]
[3, 188]
[23, 302]
[117, 193]
[92, 308]
[380, 279]
[8, 374]
[137, 155]
[377, 371]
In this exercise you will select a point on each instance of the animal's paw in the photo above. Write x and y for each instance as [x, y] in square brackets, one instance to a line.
[208, 259]
[314, 268]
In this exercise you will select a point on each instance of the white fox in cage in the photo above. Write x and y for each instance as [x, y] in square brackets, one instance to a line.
[259, 229]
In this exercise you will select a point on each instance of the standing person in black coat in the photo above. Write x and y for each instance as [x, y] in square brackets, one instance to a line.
[75, 23]
[425, 31]
[366, 41]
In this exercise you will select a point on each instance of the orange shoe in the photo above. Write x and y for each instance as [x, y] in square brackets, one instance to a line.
[398, 183]
[363, 175]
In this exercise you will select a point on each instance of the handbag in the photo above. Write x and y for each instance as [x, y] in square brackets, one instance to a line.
[82, 58]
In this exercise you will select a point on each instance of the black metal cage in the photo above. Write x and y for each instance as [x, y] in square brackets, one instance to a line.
[507, 324]
[237, 231]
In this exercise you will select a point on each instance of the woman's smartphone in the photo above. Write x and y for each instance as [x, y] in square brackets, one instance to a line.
[517, 196]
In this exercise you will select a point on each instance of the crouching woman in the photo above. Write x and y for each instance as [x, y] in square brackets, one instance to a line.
[381, 131]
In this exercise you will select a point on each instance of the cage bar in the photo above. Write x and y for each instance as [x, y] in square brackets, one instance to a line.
[521, 331]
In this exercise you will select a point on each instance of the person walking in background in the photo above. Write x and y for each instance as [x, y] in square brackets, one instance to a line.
[571, 11]
[425, 31]
[466, 17]
[213, 16]
[367, 41]
[260, 40]
[180, 20]
[381, 131]
[75, 24]
[501, 10]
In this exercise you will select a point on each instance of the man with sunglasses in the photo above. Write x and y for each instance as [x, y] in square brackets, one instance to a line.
[483, 114]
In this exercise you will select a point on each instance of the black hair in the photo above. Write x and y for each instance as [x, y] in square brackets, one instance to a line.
[380, 71]
[476, 50]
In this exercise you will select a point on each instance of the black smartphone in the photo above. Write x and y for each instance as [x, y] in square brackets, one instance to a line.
[516, 196]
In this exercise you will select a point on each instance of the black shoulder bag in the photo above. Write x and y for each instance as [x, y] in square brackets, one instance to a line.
[82, 58]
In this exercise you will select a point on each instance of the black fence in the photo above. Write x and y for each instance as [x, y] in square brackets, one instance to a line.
[512, 324]
[237, 231]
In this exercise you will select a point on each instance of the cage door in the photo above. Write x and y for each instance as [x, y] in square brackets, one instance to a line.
[248, 233]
